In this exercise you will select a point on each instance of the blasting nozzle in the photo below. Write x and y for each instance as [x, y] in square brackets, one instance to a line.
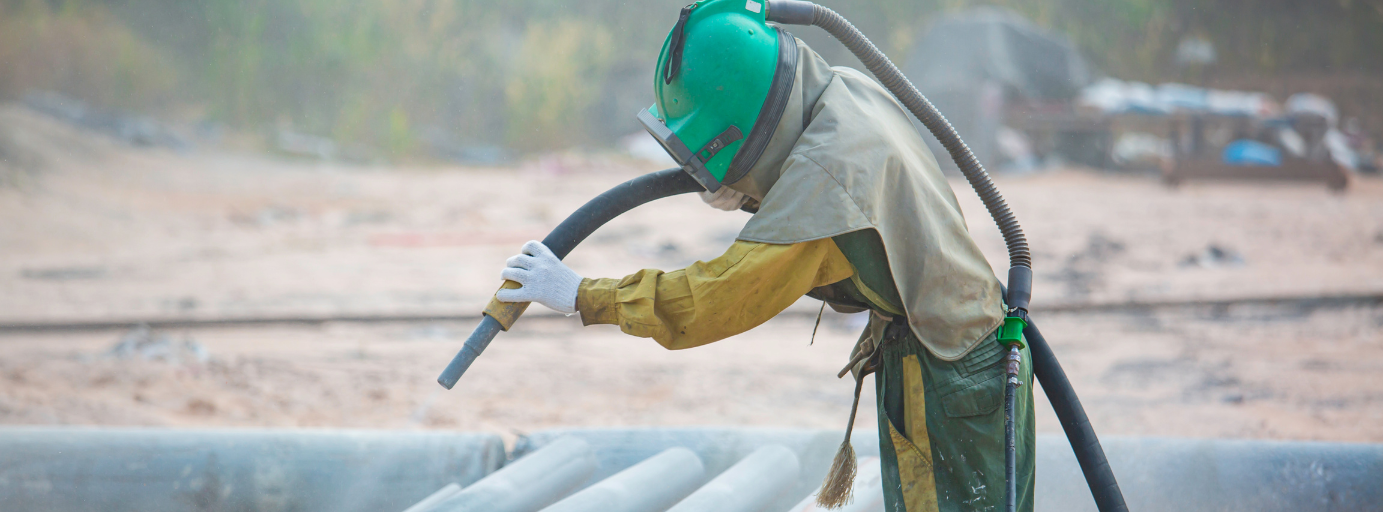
[475, 345]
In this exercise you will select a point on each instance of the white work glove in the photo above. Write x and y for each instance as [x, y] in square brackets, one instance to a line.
[545, 279]
[725, 198]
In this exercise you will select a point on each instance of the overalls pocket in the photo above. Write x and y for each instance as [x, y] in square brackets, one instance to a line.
[982, 397]
[978, 387]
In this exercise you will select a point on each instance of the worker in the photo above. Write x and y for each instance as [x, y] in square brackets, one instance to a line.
[852, 209]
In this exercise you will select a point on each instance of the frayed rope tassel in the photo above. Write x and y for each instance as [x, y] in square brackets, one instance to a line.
[838, 489]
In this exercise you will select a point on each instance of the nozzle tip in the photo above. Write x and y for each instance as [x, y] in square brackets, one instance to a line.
[445, 382]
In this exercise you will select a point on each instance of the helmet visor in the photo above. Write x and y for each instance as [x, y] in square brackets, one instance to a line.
[677, 149]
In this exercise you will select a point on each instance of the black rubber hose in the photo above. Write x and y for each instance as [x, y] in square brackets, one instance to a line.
[1103, 486]
[565, 237]
[1086, 445]
[1010, 431]
[614, 202]
[1019, 256]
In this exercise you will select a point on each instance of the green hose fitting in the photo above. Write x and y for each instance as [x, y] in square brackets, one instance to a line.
[1011, 333]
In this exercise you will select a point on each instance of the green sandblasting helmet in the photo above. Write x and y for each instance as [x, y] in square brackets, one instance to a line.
[721, 83]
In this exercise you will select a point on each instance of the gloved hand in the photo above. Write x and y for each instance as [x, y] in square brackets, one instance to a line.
[725, 198]
[545, 279]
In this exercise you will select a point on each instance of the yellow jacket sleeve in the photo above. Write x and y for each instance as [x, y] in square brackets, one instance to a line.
[712, 300]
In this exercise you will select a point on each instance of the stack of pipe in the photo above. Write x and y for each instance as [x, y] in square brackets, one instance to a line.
[544, 481]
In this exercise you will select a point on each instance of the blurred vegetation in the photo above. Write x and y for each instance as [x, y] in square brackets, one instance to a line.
[83, 49]
[543, 74]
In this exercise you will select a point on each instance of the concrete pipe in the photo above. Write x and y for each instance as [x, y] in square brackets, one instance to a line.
[1218, 475]
[868, 491]
[748, 486]
[433, 499]
[153, 470]
[649, 486]
[534, 481]
[719, 448]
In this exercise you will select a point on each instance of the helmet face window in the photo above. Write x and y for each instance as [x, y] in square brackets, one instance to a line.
[678, 150]
[664, 136]
[669, 150]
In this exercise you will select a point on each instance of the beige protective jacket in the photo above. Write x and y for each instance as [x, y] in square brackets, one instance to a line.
[845, 157]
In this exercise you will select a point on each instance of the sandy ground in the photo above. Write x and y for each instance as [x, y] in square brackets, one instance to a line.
[96, 231]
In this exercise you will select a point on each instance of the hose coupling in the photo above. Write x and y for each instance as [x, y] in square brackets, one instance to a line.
[791, 12]
[1015, 363]
[1011, 333]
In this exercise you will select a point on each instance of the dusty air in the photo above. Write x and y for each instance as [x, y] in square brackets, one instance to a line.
[726, 255]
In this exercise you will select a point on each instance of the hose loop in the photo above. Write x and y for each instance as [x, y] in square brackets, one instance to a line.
[888, 74]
